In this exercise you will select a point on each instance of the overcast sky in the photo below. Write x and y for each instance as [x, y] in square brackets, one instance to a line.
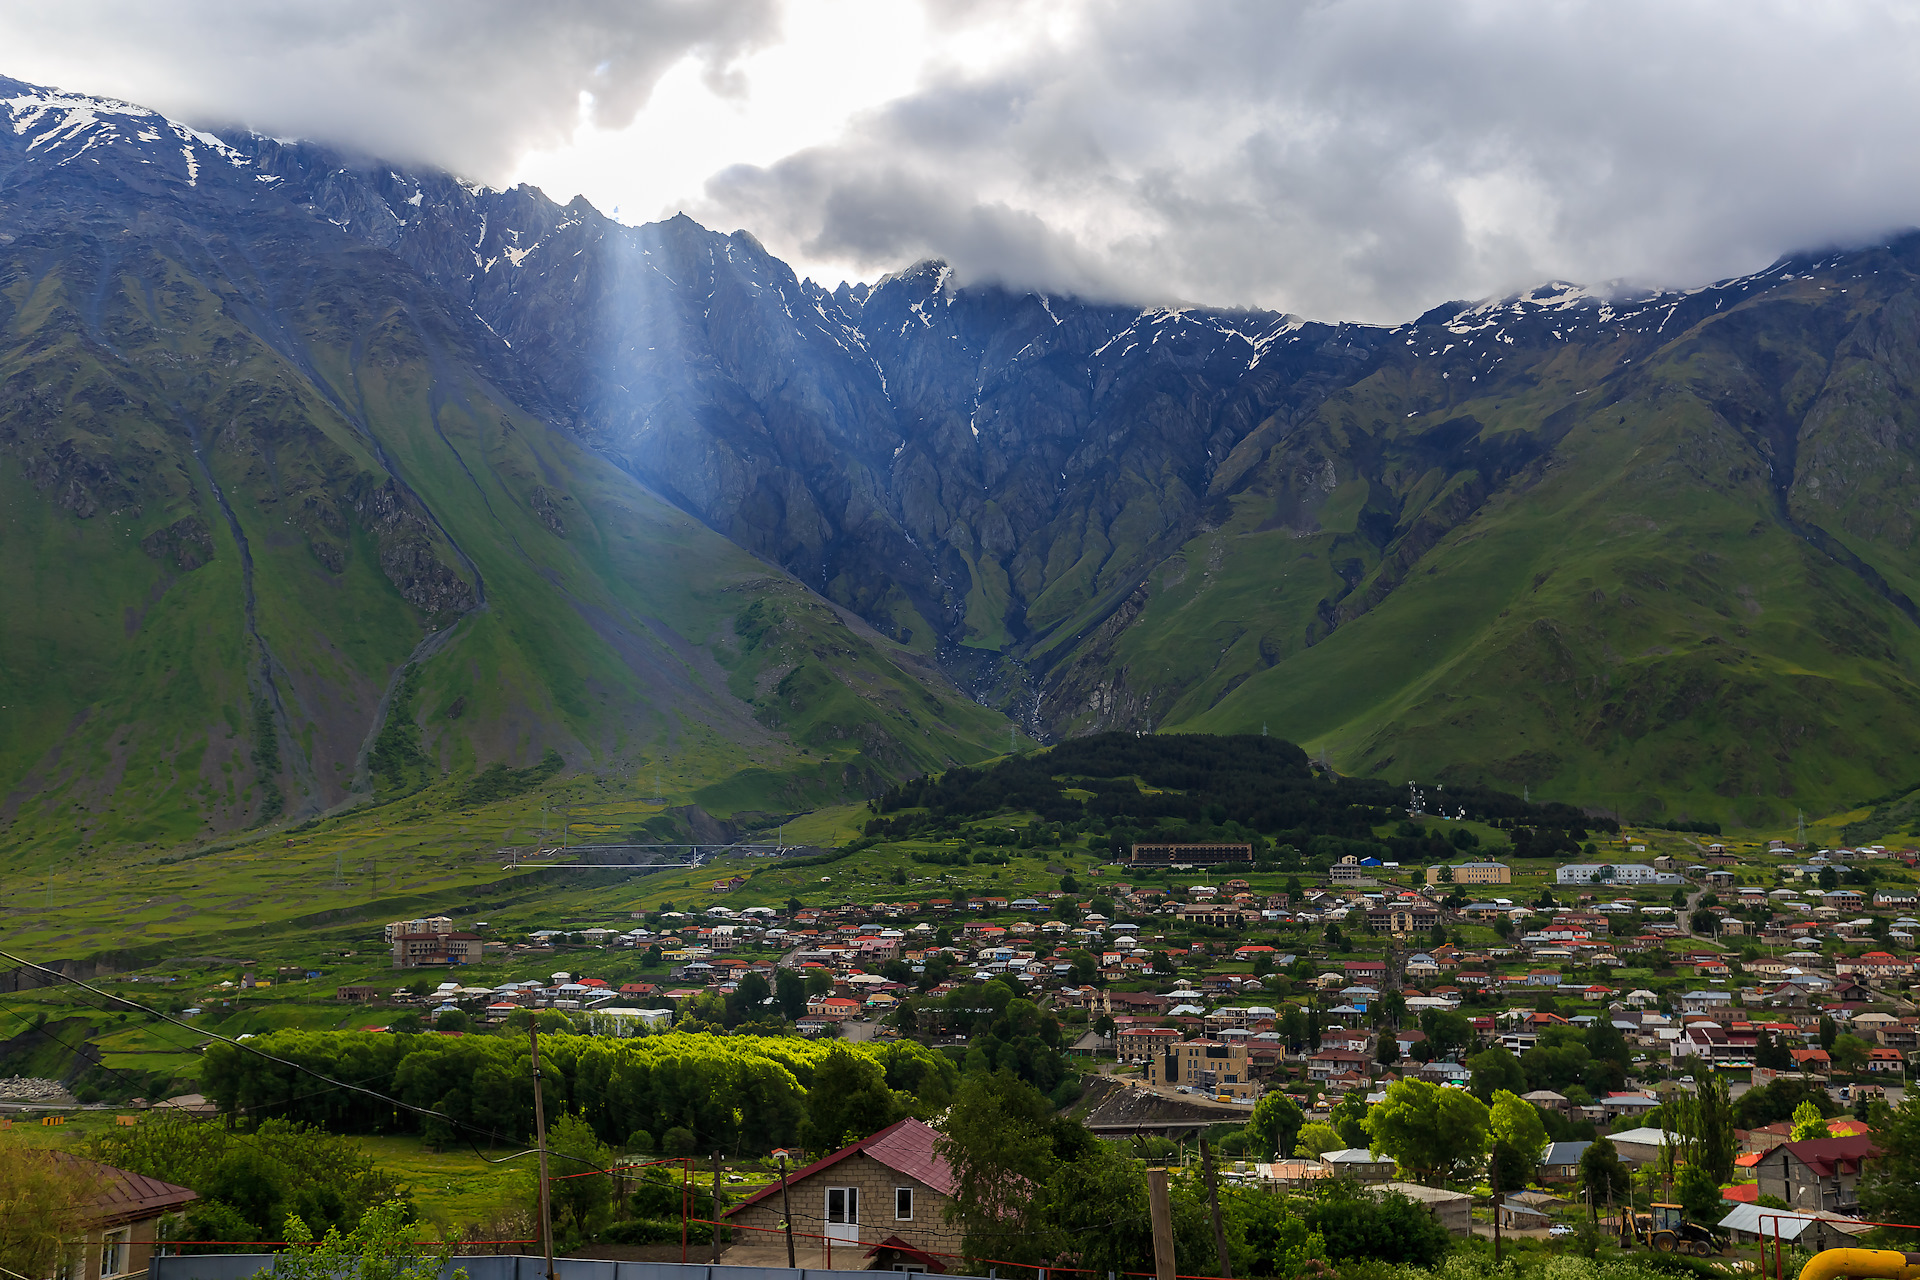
[1338, 160]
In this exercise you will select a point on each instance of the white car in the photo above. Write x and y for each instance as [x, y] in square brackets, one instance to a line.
[1559, 1230]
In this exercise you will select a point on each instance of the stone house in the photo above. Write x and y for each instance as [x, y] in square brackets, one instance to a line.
[883, 1200]
[1818, 1176]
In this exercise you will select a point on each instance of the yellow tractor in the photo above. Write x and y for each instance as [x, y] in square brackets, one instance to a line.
[1666, 1230]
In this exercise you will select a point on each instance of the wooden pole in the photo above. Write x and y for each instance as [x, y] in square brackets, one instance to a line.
[540, 1140]
[1493, 1176]
[686, 1202]
[1213, 1202]
[1161, 1208]
[716, 1208]
[786, 1210]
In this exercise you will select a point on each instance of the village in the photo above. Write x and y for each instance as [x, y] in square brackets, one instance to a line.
[1183, 986]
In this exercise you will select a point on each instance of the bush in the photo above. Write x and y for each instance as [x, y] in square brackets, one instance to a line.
[1388, 1229]
[656, 1198]
[657, 1231]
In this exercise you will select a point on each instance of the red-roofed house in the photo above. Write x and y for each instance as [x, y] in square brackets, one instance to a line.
[836, 1008]
[124, 1215]
[1821, 1175]
[882, 1202]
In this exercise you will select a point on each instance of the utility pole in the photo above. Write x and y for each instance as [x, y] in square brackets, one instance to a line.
[1493, 1176]
[786, 1206]
[540, 1140]
[716, 1208]
[1213, 1203]
[1161, 1210]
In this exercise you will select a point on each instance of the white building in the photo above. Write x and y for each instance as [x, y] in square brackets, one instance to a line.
[1614, 873]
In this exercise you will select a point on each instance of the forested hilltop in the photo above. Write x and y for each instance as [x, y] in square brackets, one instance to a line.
[1121, 788]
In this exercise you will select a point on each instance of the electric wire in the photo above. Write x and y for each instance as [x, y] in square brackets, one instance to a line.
[426, 1112]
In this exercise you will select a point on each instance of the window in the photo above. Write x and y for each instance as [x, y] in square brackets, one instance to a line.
[843, 1204]
[113, 1252]
[903, 1204]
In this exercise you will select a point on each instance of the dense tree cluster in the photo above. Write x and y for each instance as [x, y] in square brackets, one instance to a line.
[1199, 786]
[731, 1093]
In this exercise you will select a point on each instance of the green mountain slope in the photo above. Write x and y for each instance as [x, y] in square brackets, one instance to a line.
[1677, 585]
[260, 486]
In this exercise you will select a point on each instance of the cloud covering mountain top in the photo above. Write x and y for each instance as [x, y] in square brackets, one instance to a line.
[1338, 160]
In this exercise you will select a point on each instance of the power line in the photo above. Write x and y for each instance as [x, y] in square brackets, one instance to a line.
[398, 1103]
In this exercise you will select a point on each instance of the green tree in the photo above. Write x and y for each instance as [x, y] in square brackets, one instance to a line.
[385, 1244]
[1389, 1229]
[1266, 1238]
[1316, 1140]
[999, 1143]
[1702, 1127]
[748, 1001]
[1448, 1031]
[44, 1204]
[1698, 1192]
[849, 1100]
[819, 982]
[1494, 1069]
[1770, 1053]
[1274, 1125]
[1890, 1185]
[1809, 1124]
[1519, 1139]
[453, 1020]
[578, 1201]
[790, 993]
[1604, 1177]
[1849, 1054]
[1349, 1119]
[1431, 1132]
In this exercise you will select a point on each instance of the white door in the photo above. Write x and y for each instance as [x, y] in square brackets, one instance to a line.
[843, 1215]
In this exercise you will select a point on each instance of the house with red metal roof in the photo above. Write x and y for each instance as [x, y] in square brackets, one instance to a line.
[124, 1214]
[879, 1204]
[1816, 1176]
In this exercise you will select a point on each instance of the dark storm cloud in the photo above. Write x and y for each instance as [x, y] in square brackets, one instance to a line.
[1369, 160]
[469, 86]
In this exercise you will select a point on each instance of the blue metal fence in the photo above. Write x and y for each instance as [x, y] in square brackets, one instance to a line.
[244, 1266]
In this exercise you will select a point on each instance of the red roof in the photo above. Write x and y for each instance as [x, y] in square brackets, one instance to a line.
[1826, 1156]
[905, 1147]
[120, 1196]
[1742, 1193]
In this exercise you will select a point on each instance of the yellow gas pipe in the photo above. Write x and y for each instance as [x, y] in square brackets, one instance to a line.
[1862, 1264]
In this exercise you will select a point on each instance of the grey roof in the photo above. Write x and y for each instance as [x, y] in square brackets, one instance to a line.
[1352, 1155]
[1560, 1153]
[1746, 1217]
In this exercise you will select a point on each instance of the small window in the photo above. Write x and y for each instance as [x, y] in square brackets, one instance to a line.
[113, 1253]
[903, 1204]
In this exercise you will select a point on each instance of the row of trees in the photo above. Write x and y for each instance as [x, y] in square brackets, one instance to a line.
[731, 1093]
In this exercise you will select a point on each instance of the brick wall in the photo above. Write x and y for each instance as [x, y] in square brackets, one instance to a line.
[876, 1182]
